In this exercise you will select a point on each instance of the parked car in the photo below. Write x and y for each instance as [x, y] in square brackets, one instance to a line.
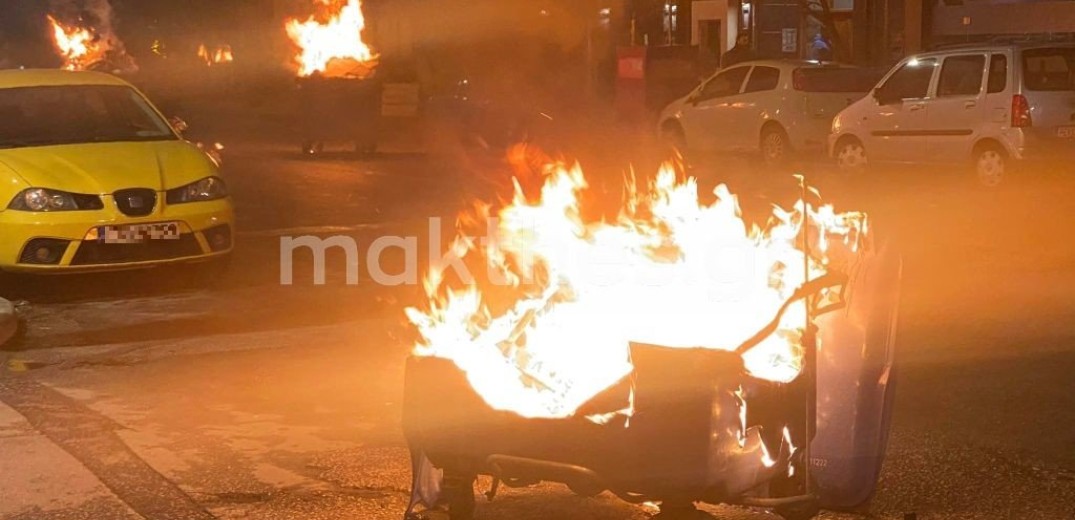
[985, 106]
[774, 107]
[92, 177]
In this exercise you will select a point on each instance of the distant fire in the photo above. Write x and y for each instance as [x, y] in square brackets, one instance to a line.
[216, 55]
[331, 44]
[80, 47]
[574, 293]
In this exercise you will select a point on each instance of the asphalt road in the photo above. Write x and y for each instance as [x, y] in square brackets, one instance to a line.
[163, 395]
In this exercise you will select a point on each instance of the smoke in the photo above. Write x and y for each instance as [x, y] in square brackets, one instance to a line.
[95, 14]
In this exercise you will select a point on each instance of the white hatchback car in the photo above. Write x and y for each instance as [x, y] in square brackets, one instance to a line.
[985, 106]
[776, 107]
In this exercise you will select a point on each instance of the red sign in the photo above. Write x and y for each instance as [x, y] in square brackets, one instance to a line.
[631, 63]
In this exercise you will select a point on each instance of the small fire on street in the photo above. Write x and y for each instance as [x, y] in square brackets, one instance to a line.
[669, 271]
[217, 55]
[331, 42]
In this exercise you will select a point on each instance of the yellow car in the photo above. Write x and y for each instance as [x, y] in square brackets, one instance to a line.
[92, 177]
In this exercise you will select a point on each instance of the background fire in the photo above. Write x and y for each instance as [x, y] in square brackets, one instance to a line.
[215, 55]
[332, 44]
[669, 271]
[80, 47]
[83, 35]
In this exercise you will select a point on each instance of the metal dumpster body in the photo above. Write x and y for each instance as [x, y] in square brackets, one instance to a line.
[685, 441]
[703, 430]
[856, 386]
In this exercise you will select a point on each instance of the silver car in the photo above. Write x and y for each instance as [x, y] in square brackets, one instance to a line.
[990, 107]
[775, 107]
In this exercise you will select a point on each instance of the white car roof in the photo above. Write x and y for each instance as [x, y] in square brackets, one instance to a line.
[794, 64]
[991, 47]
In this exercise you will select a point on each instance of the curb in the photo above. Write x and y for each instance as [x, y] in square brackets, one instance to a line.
[9, 323]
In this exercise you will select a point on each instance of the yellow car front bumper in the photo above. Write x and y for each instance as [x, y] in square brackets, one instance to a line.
[206, 231]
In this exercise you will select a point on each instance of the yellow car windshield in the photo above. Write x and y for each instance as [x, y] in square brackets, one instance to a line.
[52, 115]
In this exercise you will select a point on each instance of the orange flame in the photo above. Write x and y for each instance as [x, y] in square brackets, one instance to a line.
[220, 54]
[80, 47]
[338, 39]
[669, 271]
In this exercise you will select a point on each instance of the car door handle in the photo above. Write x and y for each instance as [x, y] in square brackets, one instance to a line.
[914, 108]
[970, 104]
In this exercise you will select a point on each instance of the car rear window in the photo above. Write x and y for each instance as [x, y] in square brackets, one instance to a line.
[843, 79]
[1049, 69]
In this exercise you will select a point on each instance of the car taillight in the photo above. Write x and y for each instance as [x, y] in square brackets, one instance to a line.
[798, 80]
[1021, 112]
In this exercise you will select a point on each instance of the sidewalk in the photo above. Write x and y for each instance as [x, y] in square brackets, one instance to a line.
[40, 480]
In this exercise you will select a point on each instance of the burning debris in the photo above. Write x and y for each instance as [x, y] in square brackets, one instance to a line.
[216, 55]
[79, 47]
[330, 43]
[670, 355]
[670, 272]
[83, 35]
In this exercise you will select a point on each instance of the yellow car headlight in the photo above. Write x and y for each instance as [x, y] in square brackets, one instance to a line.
[209, 188]
[43, 199]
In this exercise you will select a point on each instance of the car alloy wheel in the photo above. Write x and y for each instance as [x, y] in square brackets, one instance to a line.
[990, 167]
[774, 146]
[851, 156]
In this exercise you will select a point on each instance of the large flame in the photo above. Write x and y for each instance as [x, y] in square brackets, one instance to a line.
[80, 47]
[669, 271]
[336, 40]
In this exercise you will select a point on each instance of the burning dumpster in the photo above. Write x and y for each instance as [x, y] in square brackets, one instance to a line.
[693, 378]
[341, 96]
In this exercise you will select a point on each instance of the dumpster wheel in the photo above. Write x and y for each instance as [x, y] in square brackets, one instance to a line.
[803, 511]
[459, 492]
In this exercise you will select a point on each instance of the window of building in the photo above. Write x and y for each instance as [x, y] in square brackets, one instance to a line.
[962, 76]
[671, 21]
[843, 5]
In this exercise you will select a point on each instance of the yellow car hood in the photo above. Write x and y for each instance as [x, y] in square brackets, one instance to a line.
[102, 168]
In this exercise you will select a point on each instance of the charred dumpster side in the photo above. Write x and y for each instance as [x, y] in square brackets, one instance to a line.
[686, 441]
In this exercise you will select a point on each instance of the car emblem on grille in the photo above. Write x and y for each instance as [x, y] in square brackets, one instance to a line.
[136, 202]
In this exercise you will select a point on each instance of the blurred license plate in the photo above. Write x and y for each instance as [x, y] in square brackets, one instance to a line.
[138, 233]
[1065, 132]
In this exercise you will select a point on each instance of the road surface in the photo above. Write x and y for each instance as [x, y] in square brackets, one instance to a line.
[160, 395]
